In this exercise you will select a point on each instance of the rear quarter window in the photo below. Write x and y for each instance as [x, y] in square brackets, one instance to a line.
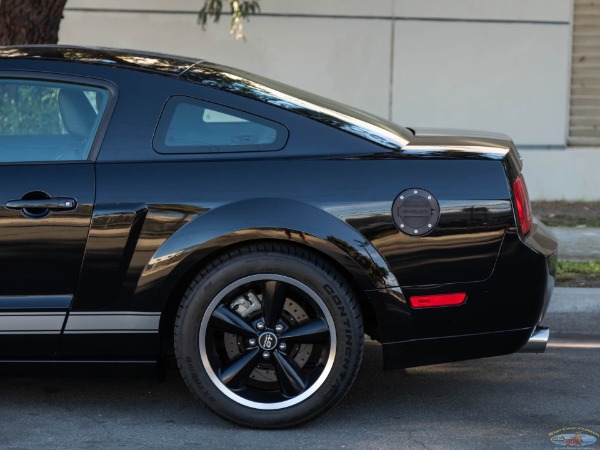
[189, 125]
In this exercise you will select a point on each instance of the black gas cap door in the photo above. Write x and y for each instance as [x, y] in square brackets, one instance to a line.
[416, 212]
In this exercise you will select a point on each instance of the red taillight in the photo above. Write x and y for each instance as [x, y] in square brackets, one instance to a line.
[429, 301]
[523, 205]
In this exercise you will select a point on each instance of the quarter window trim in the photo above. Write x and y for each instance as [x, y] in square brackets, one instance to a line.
[165, 119]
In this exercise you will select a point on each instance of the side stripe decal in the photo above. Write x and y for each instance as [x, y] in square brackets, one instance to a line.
[31, 323]
[112, 322]
[79, 322]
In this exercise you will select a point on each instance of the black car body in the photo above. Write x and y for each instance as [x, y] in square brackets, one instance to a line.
[162, 181]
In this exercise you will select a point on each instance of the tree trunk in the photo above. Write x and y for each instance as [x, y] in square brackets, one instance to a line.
[30, 21]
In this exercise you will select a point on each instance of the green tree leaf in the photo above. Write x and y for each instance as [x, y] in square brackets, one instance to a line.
[239, 10]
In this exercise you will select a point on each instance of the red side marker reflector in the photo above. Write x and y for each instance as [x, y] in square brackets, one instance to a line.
[431, 301]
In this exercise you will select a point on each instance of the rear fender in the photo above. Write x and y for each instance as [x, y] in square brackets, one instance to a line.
[265, 219]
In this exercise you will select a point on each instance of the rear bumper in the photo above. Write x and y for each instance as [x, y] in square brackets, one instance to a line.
[542, 241]
[501, 315]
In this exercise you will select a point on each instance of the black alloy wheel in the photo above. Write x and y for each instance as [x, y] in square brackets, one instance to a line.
[262, 336]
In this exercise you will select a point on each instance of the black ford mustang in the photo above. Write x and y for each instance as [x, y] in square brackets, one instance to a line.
[155, 206]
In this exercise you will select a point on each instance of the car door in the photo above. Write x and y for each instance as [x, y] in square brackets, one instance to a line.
[48, 129]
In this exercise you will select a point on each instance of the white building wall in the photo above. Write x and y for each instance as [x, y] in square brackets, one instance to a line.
[507, 77]
[479, 64]
[570, 174]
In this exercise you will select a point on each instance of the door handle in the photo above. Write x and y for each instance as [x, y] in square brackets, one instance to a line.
[50, 204]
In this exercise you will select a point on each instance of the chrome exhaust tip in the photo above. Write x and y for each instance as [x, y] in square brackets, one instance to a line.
[537, 342]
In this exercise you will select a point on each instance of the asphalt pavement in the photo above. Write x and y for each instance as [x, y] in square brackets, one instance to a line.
[510, 402]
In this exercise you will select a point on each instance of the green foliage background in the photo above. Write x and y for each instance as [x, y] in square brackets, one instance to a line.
[29, 110]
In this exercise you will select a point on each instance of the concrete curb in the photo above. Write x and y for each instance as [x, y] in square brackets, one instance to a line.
[575, 300]
[578, 244]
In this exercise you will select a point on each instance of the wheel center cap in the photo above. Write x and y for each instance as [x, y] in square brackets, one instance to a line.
[267, 340]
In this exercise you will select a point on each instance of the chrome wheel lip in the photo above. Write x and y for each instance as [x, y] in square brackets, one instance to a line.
[237, 398]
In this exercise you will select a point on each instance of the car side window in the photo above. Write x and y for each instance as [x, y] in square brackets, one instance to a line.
[43, 121]
[189, 125]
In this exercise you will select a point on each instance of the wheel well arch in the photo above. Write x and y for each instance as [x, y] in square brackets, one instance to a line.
[175, 294]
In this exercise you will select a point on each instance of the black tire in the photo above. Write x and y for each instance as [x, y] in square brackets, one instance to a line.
[302, 303]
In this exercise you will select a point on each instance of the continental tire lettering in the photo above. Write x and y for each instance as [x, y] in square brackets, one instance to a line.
[348, 334]
[335, 298]
[192, 370]
[333, 390]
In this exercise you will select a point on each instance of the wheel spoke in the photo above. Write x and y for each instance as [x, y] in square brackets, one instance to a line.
[290, 381]
[273, 298]
[315, 330]
[236, 374]
[225, 319]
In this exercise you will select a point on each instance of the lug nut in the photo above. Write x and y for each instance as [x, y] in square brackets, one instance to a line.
[260, 326]
[282, 346]
[252, 342]
[266, 355]
[278, 328]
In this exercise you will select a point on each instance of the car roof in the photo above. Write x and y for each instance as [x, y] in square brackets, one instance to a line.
[351, 120]
[127, 59]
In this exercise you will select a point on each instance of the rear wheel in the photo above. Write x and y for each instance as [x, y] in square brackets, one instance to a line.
[269, 336]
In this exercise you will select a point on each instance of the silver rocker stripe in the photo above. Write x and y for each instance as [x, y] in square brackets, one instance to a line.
[31, 323]
[112, 322]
